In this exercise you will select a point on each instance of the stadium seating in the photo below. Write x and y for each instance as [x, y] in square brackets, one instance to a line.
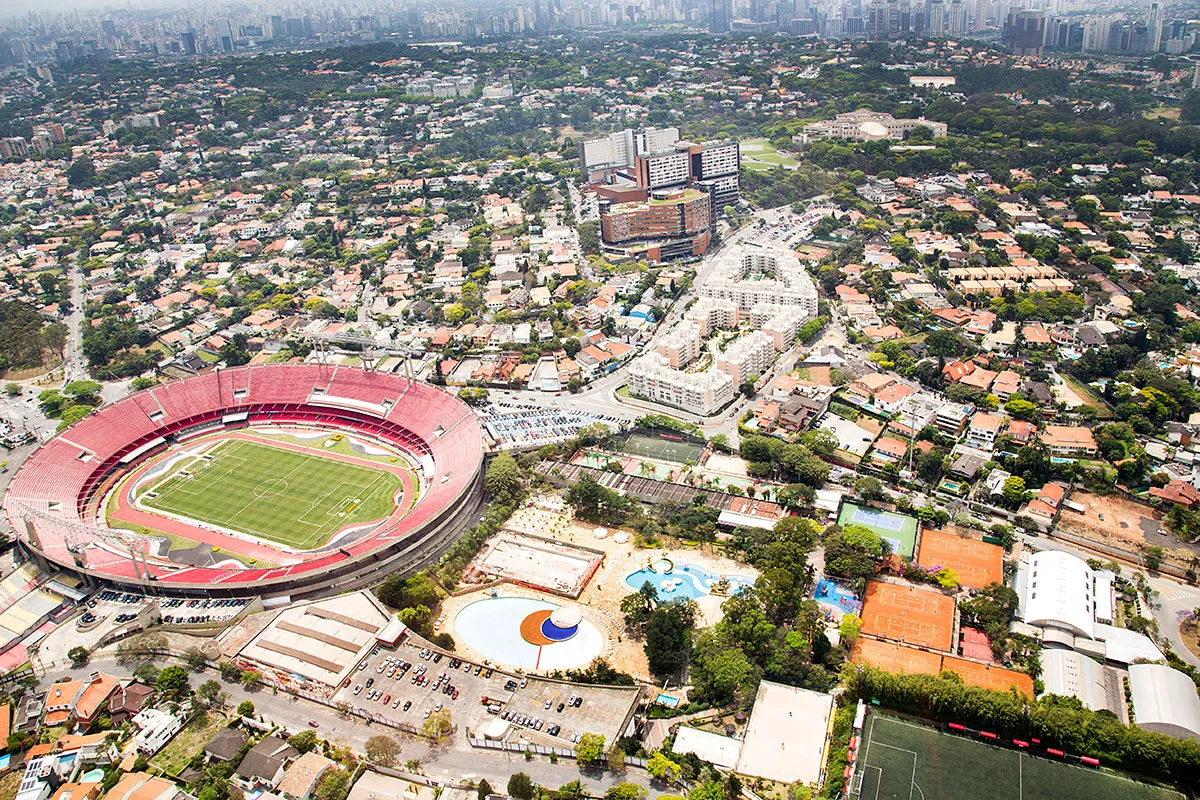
[67, 476]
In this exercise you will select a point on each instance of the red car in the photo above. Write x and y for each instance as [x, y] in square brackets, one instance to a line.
[387, 698]
[314, 724]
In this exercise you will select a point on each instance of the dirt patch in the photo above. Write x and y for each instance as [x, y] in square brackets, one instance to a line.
[1189, 632]
[1123, 519]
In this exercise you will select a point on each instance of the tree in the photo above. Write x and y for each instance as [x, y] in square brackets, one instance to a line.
[1014, 489]
[869, 488]
[625, 791]
[194, 658]
[172, 680]
[438, 725]
[210, 692]
[849, 627]
[383, 750]
[1154, 557]
[415, 590]
[723, 674]
[589, 749]
[502, 479]
[78, 655]
[483, 790]
[669, 636]
[596, 503]
[663, 768]
[251, 678]
[304, 741]
[81, 173]
[520, 786]
[230, 672]
[72, 415]
[334, 786]
[615, 758]
[245, 709]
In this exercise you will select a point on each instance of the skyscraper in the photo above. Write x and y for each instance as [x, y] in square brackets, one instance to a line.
[958, 18]
[1025, 30]
[1155, 24]
[720, 16]
[937, 18]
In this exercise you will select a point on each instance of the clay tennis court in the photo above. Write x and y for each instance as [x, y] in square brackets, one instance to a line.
[922, 617]
[976, 562]
[989, 677]
[895, 657]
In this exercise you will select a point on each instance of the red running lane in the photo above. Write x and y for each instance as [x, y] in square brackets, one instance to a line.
[259, 550]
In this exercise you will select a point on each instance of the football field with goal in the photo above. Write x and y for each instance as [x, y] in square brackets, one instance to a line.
[291, 498]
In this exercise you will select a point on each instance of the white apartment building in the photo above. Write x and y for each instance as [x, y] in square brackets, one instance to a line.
[757, 274]
[782, 324]
[619, 149]
[701, 393]
[711, 314]
[867, 125]
[749, 355]
[681, 345]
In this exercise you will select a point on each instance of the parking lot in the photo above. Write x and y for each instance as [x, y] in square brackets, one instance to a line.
[118, 607]
[411, 681]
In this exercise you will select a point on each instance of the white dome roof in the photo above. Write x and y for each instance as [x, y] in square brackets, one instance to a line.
[566, 617]
[873, 129]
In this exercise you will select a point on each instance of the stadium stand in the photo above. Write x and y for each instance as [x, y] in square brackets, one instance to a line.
[68, 477]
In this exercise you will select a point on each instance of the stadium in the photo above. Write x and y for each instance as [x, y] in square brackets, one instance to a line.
[278, 481]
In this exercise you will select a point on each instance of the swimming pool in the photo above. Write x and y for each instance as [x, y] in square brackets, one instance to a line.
[831, 593]
[684, 581]
[493, 628]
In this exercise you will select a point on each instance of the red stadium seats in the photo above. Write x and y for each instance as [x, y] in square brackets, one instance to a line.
[71, 471]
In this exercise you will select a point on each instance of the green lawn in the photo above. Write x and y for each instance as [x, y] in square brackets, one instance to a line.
[903, 761]
[189, 741]
[762, 156]
[295, 499]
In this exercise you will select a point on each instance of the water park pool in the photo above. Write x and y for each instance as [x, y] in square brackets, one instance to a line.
[679, 580]
[519, 632]
[831, 593]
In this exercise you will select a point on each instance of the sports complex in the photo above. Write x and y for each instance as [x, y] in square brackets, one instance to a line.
[287, 480]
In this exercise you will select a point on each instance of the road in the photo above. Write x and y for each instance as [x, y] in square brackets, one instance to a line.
[73, 364]
[455, 760]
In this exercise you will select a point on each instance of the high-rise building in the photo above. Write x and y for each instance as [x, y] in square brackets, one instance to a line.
[1025, 31]
[937, 18]
[187, 43]
[720, 18]
[958, 18]
[1155, 24]
[14, 147]
[981, 15]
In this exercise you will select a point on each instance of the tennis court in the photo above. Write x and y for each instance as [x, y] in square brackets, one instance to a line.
[896, 657]
[899, 530]
[976, 562]
[922, 617]
[665, 445]
[900, 760]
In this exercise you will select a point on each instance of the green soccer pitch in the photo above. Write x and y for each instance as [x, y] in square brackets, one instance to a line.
[295, 499]
[902, 761]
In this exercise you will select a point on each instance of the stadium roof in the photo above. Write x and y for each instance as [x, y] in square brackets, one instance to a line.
[1068, 673]
[1059, 589]
[1164, 700]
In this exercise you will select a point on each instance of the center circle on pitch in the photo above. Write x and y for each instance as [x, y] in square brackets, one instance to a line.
[270, 488]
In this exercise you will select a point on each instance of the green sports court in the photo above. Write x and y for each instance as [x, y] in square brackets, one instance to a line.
[898, 529]
[665, 445]
[901, 760]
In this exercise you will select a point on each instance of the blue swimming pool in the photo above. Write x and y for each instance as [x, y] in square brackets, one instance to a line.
[684, 580]
[832, 593]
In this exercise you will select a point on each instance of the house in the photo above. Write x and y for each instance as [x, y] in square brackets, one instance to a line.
[263, 766]
[1044, 507]
[1021, 431]
[155, 729]
[226, 745]
[889, 450]
[1178, 492]
[984, 429]
[143, 786]
[1067, 441]
[863, 390]
[128, 700]
[1006, 384]
[301, 777]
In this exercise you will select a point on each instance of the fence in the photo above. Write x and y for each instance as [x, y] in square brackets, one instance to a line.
[538, 749]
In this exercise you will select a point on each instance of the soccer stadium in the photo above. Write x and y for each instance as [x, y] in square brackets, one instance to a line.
[286, 480]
